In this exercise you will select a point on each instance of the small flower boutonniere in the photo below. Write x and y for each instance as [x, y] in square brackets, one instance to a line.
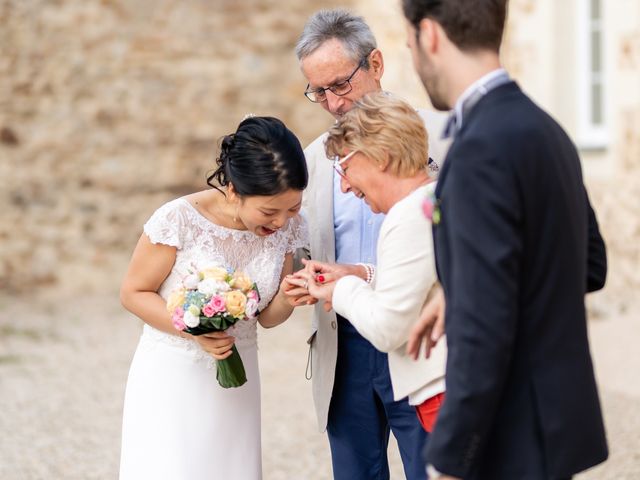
[431, 208]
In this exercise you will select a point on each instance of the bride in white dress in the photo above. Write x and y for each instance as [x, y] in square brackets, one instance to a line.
[178, 423]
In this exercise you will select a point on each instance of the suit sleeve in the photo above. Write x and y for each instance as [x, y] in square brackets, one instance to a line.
[596, 254]
[481, 215]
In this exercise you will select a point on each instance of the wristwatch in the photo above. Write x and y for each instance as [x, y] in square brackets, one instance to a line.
[432, 473]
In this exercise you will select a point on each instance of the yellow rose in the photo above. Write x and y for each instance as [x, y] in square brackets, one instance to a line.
[216, 273]
[235, 302]
[176, 299]
[242, 281]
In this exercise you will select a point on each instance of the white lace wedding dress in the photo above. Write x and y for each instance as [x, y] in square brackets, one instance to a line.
[178, 423]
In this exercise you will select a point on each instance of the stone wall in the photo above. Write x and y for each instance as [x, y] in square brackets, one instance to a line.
[541, 53]
[617, 203]
[109, 108]
[617, 196]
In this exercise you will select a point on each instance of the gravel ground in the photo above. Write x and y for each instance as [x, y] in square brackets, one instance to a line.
[64, 363]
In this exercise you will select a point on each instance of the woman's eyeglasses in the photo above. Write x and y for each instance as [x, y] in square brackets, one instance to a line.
[338, 162]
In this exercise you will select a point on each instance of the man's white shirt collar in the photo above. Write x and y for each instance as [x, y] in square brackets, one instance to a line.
[479, 84]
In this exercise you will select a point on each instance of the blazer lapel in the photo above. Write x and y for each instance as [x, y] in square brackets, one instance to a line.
[323, 203]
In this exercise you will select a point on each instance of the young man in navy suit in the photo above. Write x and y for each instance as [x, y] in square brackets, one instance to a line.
[517, 247]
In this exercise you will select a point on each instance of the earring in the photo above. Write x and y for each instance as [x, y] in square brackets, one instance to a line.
[235, 217]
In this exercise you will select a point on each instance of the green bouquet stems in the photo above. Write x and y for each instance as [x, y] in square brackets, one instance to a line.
[231, 372]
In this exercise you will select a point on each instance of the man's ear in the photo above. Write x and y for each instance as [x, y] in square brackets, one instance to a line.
[376, 64]
[428, 35]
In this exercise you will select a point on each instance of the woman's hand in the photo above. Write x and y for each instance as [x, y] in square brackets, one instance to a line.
[217, 344]
[320, 277]
[429, 328]
[307, 281]
[295, 294]
[331, 272]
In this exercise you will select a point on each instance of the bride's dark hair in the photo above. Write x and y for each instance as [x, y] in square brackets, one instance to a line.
[263, 157]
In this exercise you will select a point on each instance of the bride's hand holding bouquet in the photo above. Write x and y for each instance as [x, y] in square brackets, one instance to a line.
[217, 344]
[209, 302]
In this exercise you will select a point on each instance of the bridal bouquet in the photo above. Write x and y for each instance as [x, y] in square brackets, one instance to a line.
[212, 300]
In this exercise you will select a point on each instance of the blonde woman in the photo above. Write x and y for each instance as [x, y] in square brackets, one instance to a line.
[380, 150]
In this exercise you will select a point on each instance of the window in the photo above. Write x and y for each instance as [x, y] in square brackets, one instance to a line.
[592, 114]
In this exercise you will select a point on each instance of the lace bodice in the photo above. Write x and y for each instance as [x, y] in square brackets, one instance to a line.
[202, 243]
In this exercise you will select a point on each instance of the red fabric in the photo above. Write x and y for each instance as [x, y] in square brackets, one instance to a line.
[428, 411]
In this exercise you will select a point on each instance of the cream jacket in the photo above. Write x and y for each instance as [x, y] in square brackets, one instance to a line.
[385, 311]
[317, 206]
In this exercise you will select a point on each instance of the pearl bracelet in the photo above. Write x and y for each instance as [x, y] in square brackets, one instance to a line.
[370, 269]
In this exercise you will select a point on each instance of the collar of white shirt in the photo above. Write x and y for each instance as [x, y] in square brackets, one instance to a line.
[477, 85]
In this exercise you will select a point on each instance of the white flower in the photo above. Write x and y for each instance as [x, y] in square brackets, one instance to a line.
[190, 320]
[210, 287]
[191, 281]
[251, 308]
[223, 287]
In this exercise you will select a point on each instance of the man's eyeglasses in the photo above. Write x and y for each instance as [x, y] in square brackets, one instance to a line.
[342, 88]
[337, 163]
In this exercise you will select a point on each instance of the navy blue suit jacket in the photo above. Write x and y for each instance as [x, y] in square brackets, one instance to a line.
[517, 248]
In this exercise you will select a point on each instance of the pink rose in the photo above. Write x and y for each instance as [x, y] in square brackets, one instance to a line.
[176, 319]
[217, 303]
[178, 324]
[427, 207]
[253, 295]
[208, 310]
[251, 308]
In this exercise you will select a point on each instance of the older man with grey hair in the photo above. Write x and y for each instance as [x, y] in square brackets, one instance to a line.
[352, 389]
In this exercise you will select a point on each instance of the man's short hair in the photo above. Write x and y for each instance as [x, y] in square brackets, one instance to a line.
[469, 24]
[351, 30]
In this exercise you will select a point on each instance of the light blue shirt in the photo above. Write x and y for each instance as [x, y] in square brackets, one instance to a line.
[356, 227]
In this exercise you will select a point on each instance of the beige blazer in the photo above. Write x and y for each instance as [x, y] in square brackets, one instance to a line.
[317, 206]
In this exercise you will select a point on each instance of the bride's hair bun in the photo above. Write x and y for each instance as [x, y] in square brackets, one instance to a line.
[263, 157]
[220, 175]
